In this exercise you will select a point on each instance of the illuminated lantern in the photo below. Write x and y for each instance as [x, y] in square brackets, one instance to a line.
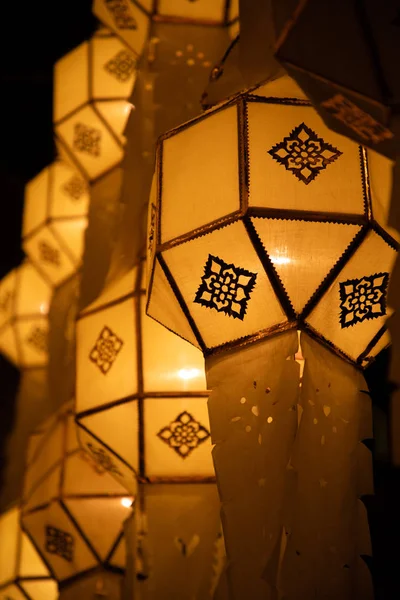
[262, 221]
[360, 101]
[24, 305]
[23, 574]
[131, 20]
[141, 402]
[56, 205]
[72, 509]
[91, 87]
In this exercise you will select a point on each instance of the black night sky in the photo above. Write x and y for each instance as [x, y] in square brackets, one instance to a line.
[34, 36]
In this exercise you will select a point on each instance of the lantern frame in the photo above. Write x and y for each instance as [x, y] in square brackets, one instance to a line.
[365, 221]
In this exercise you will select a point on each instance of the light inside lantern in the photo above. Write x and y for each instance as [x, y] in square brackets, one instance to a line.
[127, 502]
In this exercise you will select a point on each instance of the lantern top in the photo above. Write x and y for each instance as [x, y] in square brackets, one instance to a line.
[260, 216]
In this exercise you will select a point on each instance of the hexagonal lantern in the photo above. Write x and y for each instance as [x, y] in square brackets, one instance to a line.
[55, 219]
[23, 574]
[140, 392]
[264, 220]
[130, 19]
[25, 298]
[72, 509]
[91, 86]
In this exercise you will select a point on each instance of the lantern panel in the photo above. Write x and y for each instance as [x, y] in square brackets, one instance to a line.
[354, 308]
[281, 87]
[297, 163]
[33, 294]
[107, 356]
[89, 514]
[71, 73]
[207, 10]
[303, 252]
[82, 475]
[69, 192]
[165, 308]
[9, 533]
[381, 175]
[9, 345]
[116, 114]
[177, 438]
[170, 364]
[31, 565]
[44, 249]
[114, 68]
[91, 143]
[7, 291]
[224, 285]
[117, 428]
[125, 19]
[40, 590]
[200, 174]
[13, 592]
[115, 292]
[32, 335]
[42, 491]
[71, 234]
[59, 541]
[36, 202]
[118, 557]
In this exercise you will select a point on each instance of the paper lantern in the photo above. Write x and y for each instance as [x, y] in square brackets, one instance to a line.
[351, 78]
[55, 219]
[263, 221]
[72, 510]
[23, 574]
[258, 204]
[130, 20]
[89, 122]
[141, 400]
[24, 305]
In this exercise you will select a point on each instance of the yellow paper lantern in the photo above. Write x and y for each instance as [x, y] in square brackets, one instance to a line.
[55, 219]
[72, 509]
[140, 393]
[131, 20]
[23, 574]
[257, 203]
[24, 305]
[91, 86]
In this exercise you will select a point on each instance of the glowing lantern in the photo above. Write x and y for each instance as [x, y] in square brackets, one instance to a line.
[140, 392]
[23, 574]
[131, 20]
[89, 122]
[72, 510]
[262, 220]
[24, 305]
[56, 205]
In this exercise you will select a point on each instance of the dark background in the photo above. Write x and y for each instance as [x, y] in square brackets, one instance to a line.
[34, 36]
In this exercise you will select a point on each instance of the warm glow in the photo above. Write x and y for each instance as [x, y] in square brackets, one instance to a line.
[280, 260]
[189, 373]
[44, 308]
[126, 502]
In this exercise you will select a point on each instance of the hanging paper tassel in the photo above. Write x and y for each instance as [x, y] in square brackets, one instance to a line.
[253, 422]
[328, 528]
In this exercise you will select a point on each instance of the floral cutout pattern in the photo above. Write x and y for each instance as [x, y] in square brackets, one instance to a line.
[121, 14]
[38, 339]
[75, 187]
[362, 299]
[103, 460]
[304, 153]
[225, 287]
[49, 254]
[87, 139]
[121, 66]
[359, 121]
[60, 543]
[184, 434]
[106, 349]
